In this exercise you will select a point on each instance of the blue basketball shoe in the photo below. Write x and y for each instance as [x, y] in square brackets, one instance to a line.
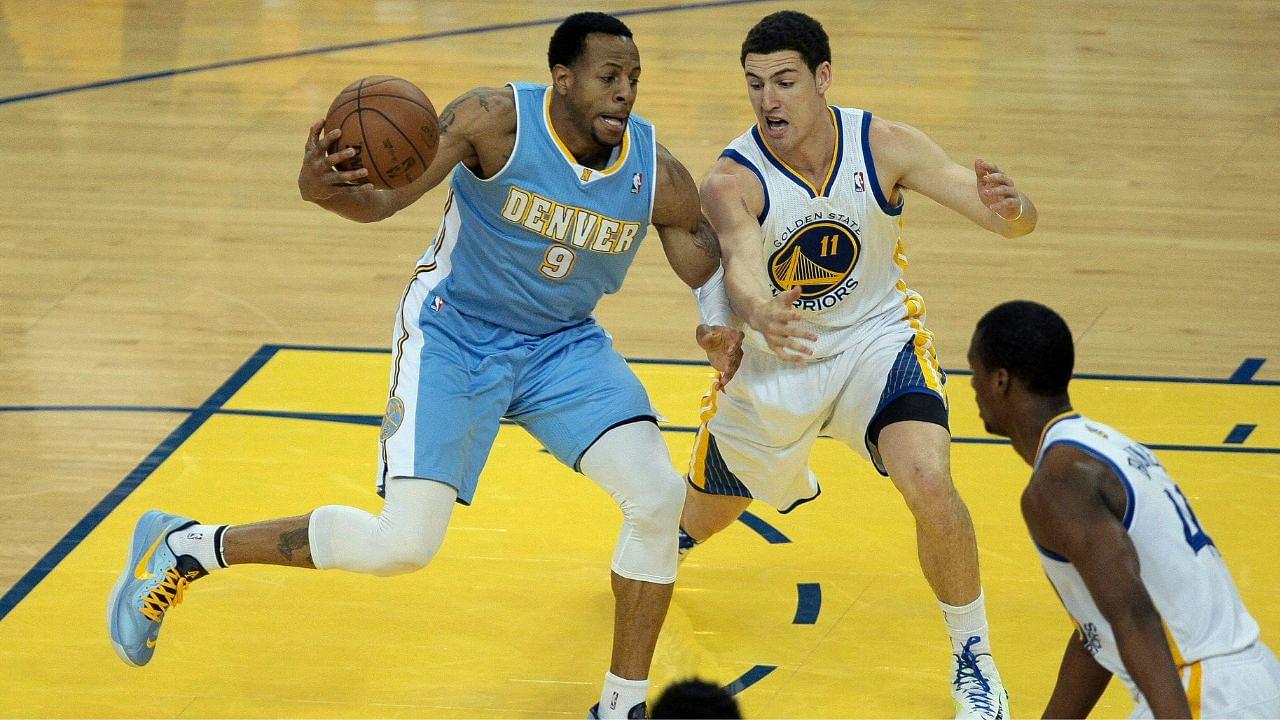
[153, 581]
[639, 712]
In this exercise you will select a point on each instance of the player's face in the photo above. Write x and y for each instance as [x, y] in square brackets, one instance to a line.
[984, 382]
[603, 90]
[786, 96]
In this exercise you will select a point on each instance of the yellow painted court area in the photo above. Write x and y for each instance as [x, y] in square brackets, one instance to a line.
[512, 619]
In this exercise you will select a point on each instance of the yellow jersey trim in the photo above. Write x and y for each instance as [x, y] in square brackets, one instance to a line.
[587, 172]
[836, 153]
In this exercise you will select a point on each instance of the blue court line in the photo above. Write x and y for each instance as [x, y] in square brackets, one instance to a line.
[808, 603]
[95, 408]
[1233, 380]
[76, 534]
[1244, 374]
[348, 418]
[749, 678]
[420, 37]
[375, 420]
[1239, 434]
[771, 534]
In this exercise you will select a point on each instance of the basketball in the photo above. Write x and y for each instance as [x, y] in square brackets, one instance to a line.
[391, 124]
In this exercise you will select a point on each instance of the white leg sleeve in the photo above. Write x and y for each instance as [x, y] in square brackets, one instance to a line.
[632, 464]
[403, 538]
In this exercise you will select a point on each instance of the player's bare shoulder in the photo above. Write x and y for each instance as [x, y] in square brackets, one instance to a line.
[485, 120]
[729, 184]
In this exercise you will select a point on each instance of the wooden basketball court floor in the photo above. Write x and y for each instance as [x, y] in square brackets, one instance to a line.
[179, 330]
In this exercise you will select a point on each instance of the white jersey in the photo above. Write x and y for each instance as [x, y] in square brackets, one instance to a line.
[840, 242]
[1181, 568]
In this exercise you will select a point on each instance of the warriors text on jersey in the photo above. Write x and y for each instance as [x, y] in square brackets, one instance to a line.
[839, 242]
[1181, 568]
[534, 247]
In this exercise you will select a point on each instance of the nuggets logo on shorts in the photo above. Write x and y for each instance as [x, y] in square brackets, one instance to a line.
[392, 419]
[818, 258]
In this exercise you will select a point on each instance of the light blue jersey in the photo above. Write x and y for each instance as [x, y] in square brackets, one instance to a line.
[496, 322]
[536, 246]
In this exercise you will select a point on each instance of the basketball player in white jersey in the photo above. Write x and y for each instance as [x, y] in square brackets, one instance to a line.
[1151, 598]
[807, 204]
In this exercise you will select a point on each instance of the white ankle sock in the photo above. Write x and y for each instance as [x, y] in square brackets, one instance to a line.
[967, 622]
[202, 542]
[620, 695]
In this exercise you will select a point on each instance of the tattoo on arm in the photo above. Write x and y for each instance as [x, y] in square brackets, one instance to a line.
[447, 116]
[292, 540]
[706, 239]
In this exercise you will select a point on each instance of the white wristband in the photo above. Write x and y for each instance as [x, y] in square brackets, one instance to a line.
[713, 301]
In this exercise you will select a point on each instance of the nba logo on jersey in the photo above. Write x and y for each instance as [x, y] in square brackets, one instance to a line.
[859, 182]
[437, 302]
[637, 182]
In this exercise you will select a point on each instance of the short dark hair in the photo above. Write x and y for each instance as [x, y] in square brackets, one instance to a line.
[1029, 340]
[789, 30]
[568, 41]
[694, 698]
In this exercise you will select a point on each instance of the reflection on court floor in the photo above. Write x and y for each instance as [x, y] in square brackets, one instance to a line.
[820, 613]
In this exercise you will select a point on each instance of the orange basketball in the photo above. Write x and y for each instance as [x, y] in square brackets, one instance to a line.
[391, 124]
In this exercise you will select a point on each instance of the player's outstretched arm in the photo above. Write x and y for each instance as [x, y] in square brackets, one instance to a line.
[1073, 507]
[1081, 681]
[733, 199]
[986, 194]
[481, 118]
[688, 240]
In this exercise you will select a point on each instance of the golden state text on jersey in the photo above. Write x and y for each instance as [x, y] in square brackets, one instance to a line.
[816, 253]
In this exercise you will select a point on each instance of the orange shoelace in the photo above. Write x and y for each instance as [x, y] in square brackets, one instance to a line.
[165, 595]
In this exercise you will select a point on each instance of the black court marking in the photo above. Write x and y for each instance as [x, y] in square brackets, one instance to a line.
[1240, 433]
[421, 37]
[94, 517]
[808, 603]
[749, 678]
[771, 534]
[1247, 369]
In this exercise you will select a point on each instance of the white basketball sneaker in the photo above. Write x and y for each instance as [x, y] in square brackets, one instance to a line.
[976, 687]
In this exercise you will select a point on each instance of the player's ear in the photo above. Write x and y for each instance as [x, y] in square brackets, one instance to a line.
[822, 76]
[561, 79]
[1000, 378]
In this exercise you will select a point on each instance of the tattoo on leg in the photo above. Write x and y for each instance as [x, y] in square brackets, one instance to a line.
[292, 540]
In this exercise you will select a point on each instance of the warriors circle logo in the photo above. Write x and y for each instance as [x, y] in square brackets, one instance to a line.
[818, 258]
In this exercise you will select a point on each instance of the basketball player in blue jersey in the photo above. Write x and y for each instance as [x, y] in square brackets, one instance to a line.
[551, 190]
[808, 204]
[1152, 601]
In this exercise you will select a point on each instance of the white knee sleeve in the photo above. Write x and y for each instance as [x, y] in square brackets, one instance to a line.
[632, 464]
[403, 538]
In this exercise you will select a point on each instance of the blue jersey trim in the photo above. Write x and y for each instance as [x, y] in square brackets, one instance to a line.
[1049, 553]
[1128, 487]
[835, 165]
[737, 157]
[871, 170]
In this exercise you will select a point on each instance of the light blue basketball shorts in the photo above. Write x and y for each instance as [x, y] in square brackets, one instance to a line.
[454, 377]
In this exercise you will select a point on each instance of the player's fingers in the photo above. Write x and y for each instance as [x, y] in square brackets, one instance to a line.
[1008, 208]
[350, 176]
[313, 133]
[996, 178]
[328, 139]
